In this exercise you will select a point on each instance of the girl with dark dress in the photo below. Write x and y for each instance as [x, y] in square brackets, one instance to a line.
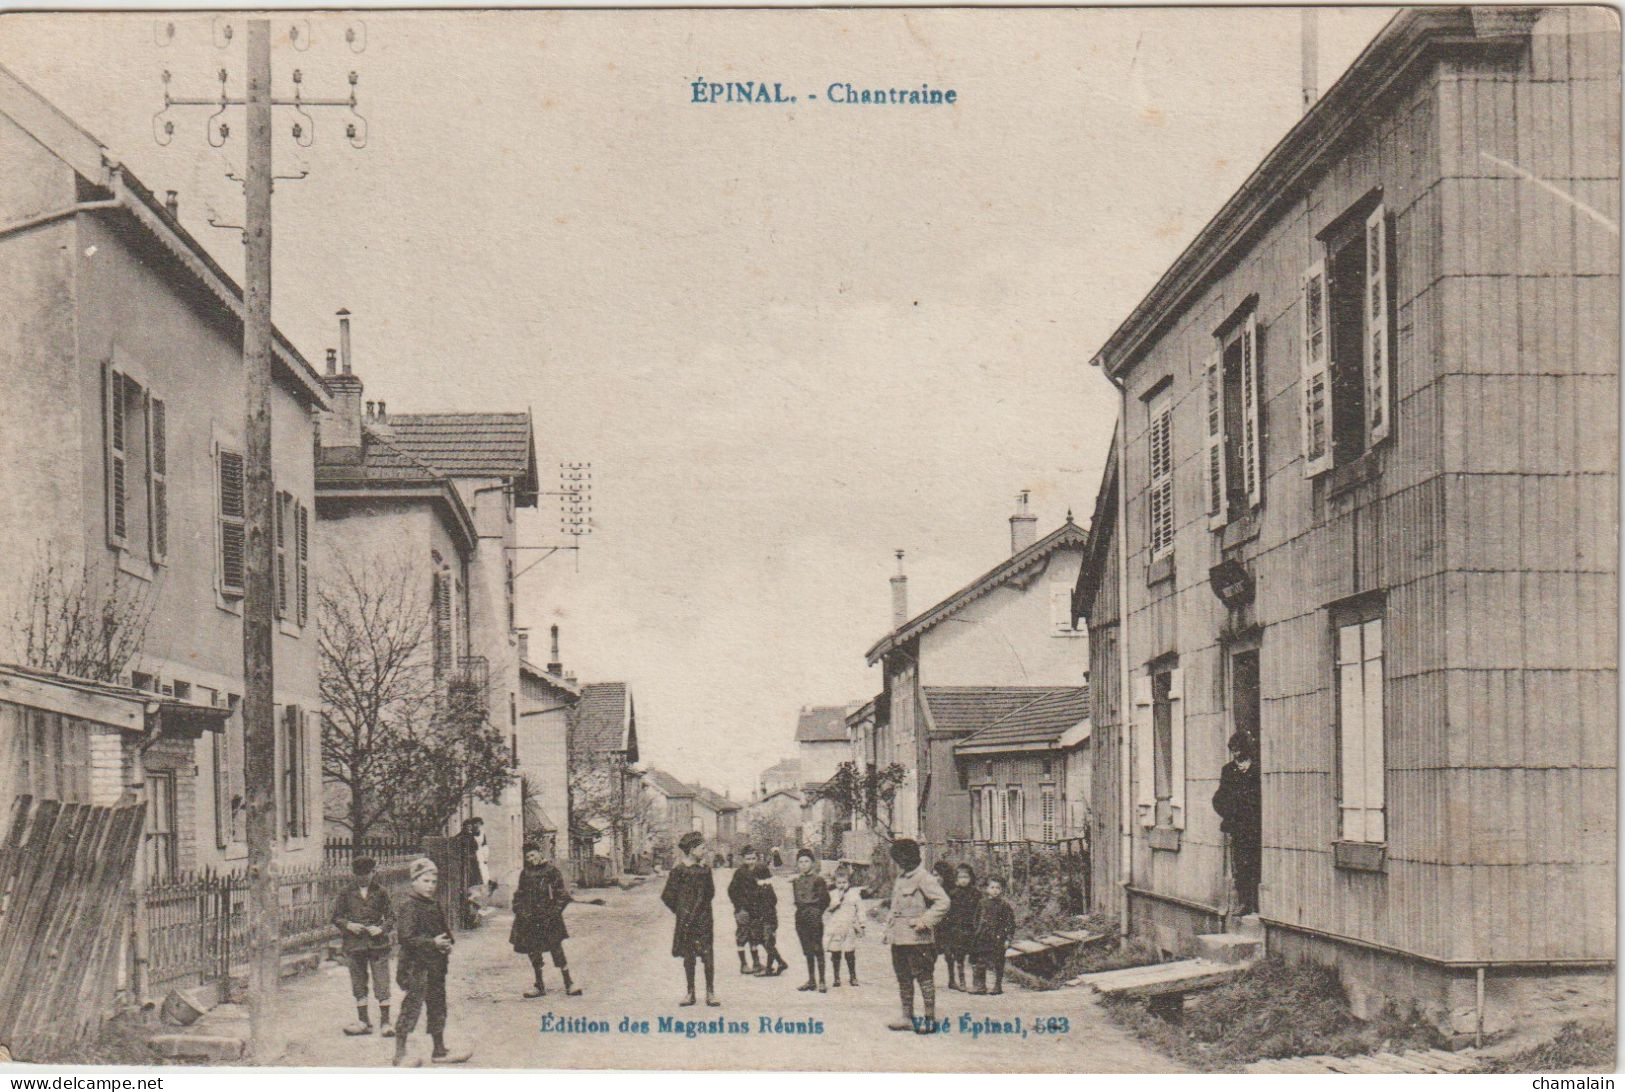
[688, 895]
[944, 872]
[959, 927]
[538, 919]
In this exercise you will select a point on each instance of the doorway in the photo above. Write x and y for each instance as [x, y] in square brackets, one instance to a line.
[1246, 828]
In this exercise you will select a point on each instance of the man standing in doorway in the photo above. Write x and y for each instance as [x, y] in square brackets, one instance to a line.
[1239, 804]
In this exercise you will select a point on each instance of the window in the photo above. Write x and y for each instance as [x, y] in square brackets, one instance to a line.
[1004, 816]
[1062, 623]
[135, 432]
[1160, 494]
[984, 814]
[1159, 747]
[440, 604]
[1347, 342]
[1046, 797]
[1018, 815]
[509, 585]
[1360, 724]
[229, 472]
[1233, 432]
[160, 830]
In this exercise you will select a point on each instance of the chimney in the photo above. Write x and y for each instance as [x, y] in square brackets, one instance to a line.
[524, 644]
[1023, 526]
[172, 204]
[381, 413]
[554, 664]
[341, 428]
[332, 362]
[899, 595]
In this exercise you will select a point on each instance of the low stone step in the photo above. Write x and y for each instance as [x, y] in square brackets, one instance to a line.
[1249, 926]
[1229, 947]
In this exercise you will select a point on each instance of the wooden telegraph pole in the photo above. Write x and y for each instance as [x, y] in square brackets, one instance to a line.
[259, 588]
[259, 625]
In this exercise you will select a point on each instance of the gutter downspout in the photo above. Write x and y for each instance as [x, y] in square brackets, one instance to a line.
[1125, 863]
[17, 226]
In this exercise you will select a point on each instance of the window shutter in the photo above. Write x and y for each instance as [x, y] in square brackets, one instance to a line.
[1161, 498]
[1375, 757]
[280, 521]
[1378, 361]
[303, 545]
[1145, 770]
[1317, 388]
[1176, 716]
[441, 596]
[1252, 438]
[1215, 441]
[305, 735]
[231, 521]
[1360, 729]
[117, 440]
[157, 479]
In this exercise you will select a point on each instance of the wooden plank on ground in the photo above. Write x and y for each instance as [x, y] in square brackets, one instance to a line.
[1450, 1063]
[1180, 977]
[1403, 1063]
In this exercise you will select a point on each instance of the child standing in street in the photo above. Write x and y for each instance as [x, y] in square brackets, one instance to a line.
[688, 895]
[843, 925]
[918, 905]
[425, 951]
[747, 929]
[766, 919]
[538, 919]
[960, 925]
[995, 928]
[812, 899]
[364, 920]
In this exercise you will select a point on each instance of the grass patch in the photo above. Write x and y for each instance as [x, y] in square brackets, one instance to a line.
[1273, 1010]
[122, 1042]
[1110, 954]
[1576, 1048]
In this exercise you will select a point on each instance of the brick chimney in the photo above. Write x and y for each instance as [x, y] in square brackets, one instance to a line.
[554, 664]
[899, 595]
[524, 643]
[172, 204]
[1023, 526]
[341, 428]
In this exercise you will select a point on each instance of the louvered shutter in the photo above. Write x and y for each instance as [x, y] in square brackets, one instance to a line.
[117, 471]
[442, 623]
[1252, 437]
[1176, 735]
[1161, 494]
[157, 479]
[280, 520]
[1145, 769]
[231, 521]
[1378, 361]
[1317, 388]
[1214, 385]
[303, 547]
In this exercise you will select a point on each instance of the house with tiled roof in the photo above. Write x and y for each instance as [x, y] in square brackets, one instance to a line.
[433, 497]
[1001, 641]
[547, 698]
[122, 441]
[606, 791]
[1028, 771]
[784, 774]
[718, 818]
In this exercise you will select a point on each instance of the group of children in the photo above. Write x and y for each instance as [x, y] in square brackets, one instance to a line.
[965, 922]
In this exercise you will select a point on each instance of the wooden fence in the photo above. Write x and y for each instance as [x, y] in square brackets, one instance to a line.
[383, 849]
[194, 927]
[65, 874]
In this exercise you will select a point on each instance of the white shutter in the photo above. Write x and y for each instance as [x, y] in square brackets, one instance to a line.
[1214, 384]
[1251, 438]
[1145, 769]
[1360, 729]
[1176, 735]
[1371, 652]
[1377, 347]
[1317, 388]
[117, 437]
[1159, 440]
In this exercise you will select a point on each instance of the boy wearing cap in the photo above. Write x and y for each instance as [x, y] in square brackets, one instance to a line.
[425, 948]
[364, 919]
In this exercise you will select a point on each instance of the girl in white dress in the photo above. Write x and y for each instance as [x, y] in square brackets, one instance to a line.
[843, 925]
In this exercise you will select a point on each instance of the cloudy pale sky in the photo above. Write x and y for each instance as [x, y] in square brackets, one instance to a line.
[790, 339]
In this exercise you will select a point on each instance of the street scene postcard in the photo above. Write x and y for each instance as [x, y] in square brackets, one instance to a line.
[954, 540]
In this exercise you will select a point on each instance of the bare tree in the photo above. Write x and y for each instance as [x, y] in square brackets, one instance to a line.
[606, 796]
[404, 744]
[870, 793]
[87, 625]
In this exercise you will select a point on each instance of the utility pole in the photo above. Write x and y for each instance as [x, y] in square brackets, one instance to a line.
[259, 705]
[259, 515]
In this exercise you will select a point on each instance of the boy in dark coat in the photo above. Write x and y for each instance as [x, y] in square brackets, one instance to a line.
[538, 919]
[364, 920]
[747, 929]
[425, 948]
[959, 926]
[1238, 803]
[766, 920]
[812, 899]
[688, 895]
[994, 929]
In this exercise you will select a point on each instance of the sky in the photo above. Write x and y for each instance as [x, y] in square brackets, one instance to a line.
[789, 339]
